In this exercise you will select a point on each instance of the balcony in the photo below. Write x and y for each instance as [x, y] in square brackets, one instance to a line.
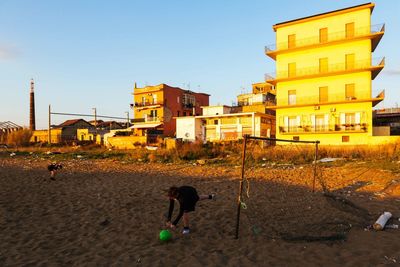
[146, 119]
[188, 105]
[271, 102]
[147, 104]
[338, 98]
[375, 65]
[328, 128]
[375, 32]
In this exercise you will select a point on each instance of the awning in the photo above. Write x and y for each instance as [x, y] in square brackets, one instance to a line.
[145, 125]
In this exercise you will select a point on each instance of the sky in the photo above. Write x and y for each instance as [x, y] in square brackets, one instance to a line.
[88, 54]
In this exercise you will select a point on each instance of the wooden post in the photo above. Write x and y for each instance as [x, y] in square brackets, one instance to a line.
[240, 188]
[315, 164]
[49, 129]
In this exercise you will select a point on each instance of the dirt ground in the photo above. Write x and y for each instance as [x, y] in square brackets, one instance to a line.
[107, 212]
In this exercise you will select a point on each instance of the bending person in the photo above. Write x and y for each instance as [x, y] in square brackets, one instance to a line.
[187, 197]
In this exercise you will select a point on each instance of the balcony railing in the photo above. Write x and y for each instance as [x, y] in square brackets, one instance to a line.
[246, 103]
[146, 119]
[331, 37]
[188, 105]
[147, 103]
[355, 127]
[152, 119]
[330, 68]
[316, 100]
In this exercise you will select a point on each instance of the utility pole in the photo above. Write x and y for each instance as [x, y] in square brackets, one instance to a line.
[95, 117]
[49, 129]
[127, 117]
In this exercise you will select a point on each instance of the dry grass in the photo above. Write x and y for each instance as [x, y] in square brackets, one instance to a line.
[19, 138]
[229, 153]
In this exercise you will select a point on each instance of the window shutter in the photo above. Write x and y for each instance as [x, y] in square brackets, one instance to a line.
[326, 120]
[313, 120]
[298, 121]
[342, 118]
[358, 116]
[286, 121]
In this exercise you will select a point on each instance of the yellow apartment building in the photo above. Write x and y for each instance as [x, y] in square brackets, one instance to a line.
[324, 73]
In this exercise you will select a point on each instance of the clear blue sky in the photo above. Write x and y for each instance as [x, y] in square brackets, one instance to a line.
[85, 54]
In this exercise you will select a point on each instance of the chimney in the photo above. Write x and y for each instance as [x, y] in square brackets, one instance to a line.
[32, 124]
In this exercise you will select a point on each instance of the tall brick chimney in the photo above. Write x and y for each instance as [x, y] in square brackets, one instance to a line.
[32, 123]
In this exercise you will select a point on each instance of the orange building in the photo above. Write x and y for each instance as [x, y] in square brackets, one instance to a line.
[156, 106]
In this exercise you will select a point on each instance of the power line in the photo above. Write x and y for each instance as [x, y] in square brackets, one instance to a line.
[86, 115]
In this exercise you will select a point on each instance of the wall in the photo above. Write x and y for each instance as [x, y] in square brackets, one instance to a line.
[125, 142]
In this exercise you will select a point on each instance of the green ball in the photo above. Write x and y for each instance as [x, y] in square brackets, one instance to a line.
[165, 235]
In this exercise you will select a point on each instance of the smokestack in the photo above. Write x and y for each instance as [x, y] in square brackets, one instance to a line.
[32, 123]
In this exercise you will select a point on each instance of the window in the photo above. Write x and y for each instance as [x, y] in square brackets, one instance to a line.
[154, 99]
[323, 35]
[291, 69]
[178, 114]
[293, 124]
[216, 122]
[350, 61]
[319, 123]
[292, 97]
[350, 30]
[184, 113]
[345, 138]
[291, 40]
[349, 91]
[323, 94]
[296, 138]
[323, 65]
[350, 118]
[143, 100]
[153, 113]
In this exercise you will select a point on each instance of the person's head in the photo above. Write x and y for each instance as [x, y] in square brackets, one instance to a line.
[173, 192]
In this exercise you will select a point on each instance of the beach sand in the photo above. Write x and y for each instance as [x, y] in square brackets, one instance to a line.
[109, 213]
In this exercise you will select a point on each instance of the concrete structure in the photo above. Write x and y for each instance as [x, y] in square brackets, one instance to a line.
[32, 120]
[324, 70]
[218, 124]
[155, 108]
[42, 136]
[388, 120]
[263, 95]
[66, 132]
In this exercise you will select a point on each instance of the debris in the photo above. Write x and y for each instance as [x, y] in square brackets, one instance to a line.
[105, 222]
[151, 147]
[392, 226]
[12, 154]
[201, 161]
[382, 220]
[329, 159]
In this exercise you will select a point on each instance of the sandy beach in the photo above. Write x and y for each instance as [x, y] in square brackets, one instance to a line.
[109, 213]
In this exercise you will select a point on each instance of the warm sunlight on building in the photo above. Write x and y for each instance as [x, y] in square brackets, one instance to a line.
[324, 73]
[155, 108]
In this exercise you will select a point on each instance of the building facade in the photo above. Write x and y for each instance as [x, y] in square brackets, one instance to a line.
[155, 108]
[218, 123]
[66, 132]
[324, 73]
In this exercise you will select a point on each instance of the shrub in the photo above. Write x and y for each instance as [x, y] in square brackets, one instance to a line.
[19, 138]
